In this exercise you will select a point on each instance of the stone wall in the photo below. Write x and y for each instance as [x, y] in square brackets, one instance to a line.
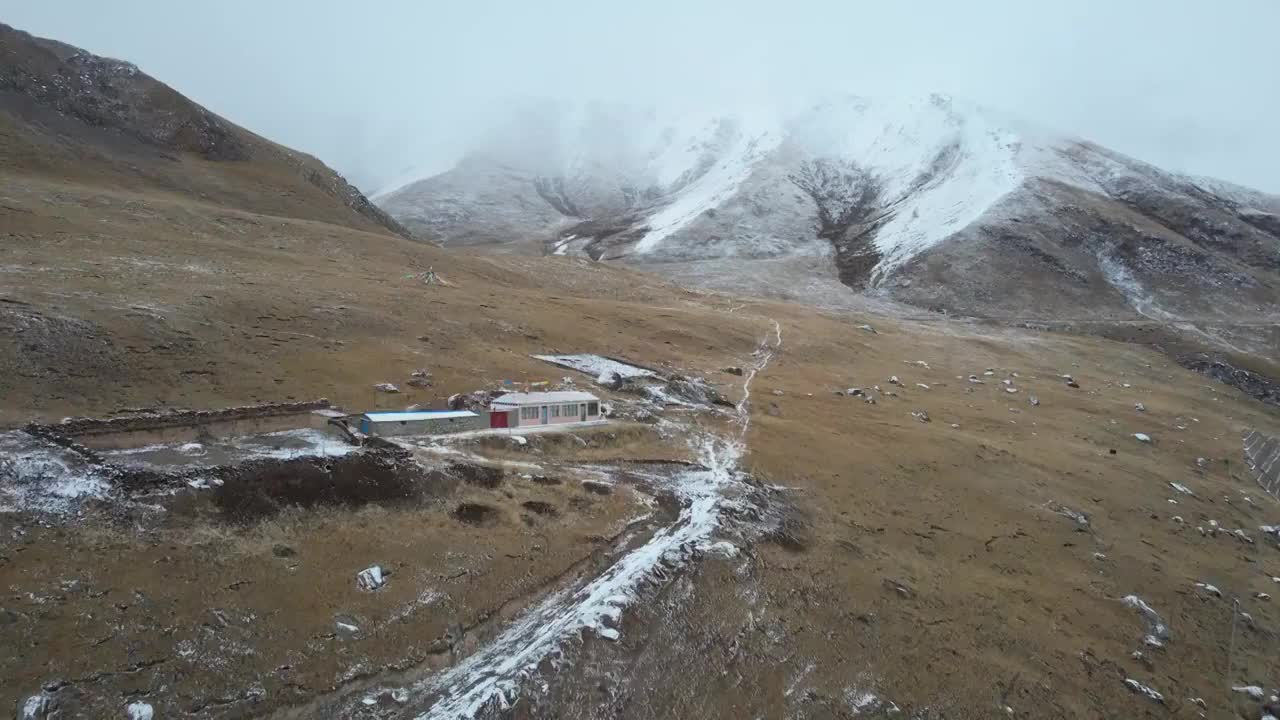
[153, 427]
[1262, 455]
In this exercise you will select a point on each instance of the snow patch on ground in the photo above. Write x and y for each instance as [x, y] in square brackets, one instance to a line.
[283, 445]
[491, 677]
[596, 365]
[39, 476]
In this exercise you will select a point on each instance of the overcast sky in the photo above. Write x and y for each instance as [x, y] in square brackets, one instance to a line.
[373, 86]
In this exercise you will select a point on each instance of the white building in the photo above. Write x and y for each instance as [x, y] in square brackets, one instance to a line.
[543, 408]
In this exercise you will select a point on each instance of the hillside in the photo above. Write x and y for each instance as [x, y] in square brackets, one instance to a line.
[66, 114]
[933, 201]
[886, 513]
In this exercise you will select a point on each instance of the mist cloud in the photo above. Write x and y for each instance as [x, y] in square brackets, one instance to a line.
[375, 88]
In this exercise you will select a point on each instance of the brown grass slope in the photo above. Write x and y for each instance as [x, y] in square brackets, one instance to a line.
[929, 561]
[67, 113]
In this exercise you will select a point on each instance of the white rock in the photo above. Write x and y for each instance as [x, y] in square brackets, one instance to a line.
[1252, 691]
[1141, 689]
[35, 708]
[386, 388]
[893, 380]
[1011, 389]
[610, 379]
[1209, 589]
[1177, 519]
[1035, 401]
[1139, 407]
[519, 440]
[1099, 556]
[1125, 385]
[1262, 596]
[989, 373]
[1142, 437]
[371, 578]
[1181, 488]
[139, 711]
[922, 386]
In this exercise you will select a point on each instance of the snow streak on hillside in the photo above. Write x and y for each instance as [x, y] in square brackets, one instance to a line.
[937, 167]
[740, 144]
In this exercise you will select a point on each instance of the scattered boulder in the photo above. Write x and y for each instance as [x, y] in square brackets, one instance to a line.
[610, 379]
[778, 393]
[893, 380]
[854, 392]
[868, 328]
[1011, 390]
[1070, 381]
[281, 550]
[386, 388]
[920, 415]
[371, 578]
[1253, 691]
[1139, 407]
[901, 589]
[1142, 438]
[139, 710]
[732, 370]
[1209, 589]
[1143, 690]
[37, 707]
[1035, 401]
[477, 401]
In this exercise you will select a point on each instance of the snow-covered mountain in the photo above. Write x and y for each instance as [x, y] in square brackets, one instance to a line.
[931, 200]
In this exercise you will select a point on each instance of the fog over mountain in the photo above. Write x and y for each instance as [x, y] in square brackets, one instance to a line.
[392, 86]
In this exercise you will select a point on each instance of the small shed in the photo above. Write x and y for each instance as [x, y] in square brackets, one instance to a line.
[544, 408]
[421, 422]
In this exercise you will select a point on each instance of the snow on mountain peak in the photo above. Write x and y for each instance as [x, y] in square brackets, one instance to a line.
[891, 176]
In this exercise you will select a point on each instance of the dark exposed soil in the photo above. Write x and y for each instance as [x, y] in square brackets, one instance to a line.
[265, 487]
[479, 475]
[1220, 368]
[540, 507]
[475, 514]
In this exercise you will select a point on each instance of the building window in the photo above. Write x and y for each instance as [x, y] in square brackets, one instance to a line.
[593, 408]
[569, 410]
[555, 411]
[529, 413]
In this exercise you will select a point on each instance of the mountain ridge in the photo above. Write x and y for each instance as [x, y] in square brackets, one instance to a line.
[69, 114]
[898, 194]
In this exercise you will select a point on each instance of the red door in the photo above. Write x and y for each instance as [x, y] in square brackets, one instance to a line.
[498, 419]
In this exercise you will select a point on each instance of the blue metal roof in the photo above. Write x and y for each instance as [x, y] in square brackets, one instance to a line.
[408, 415]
